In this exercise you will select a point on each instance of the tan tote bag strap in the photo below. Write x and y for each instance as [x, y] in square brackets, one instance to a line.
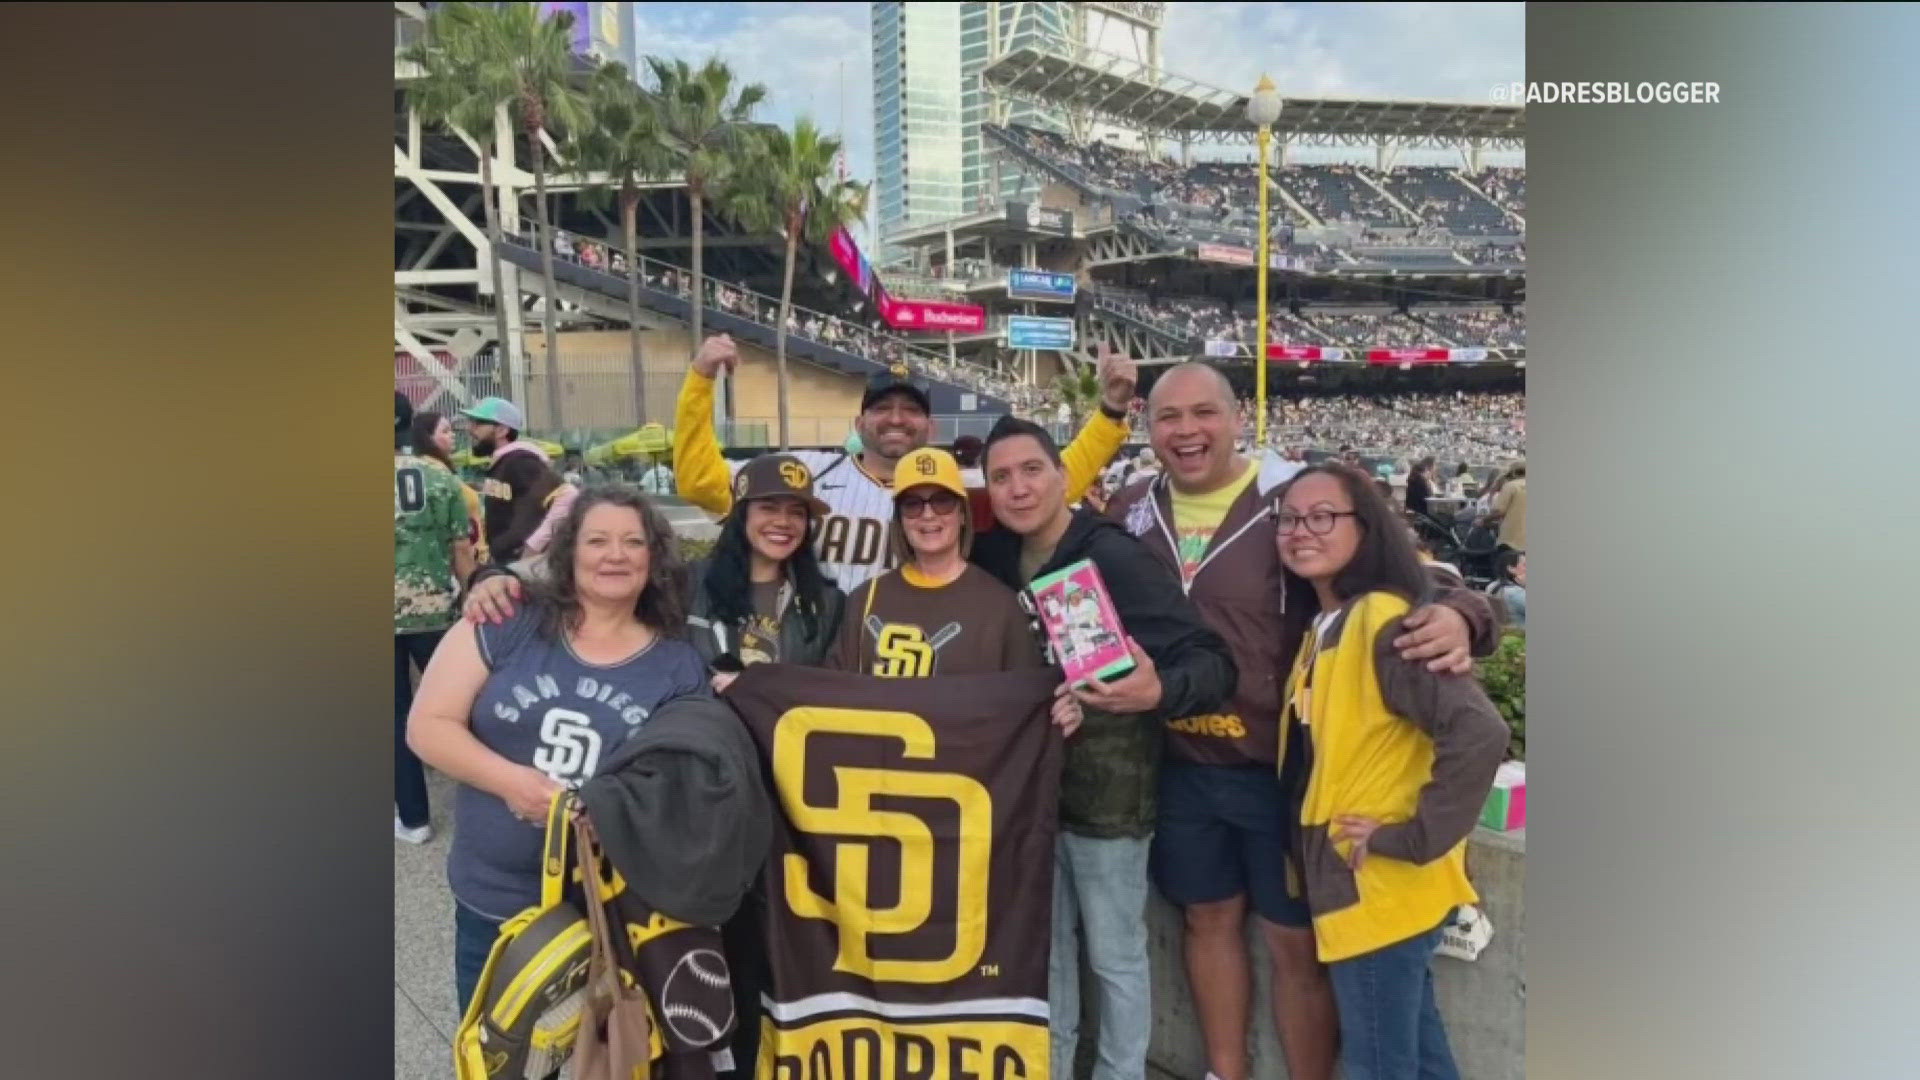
[615, 1040]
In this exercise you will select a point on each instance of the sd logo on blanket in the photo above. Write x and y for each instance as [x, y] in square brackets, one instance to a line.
[911, 885]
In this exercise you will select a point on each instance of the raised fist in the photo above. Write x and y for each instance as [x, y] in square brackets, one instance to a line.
[1117, 378]
[715, 353]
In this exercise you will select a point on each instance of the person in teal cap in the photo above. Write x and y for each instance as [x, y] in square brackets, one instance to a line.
[520, 480]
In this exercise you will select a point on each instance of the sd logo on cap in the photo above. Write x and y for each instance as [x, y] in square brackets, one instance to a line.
[929, 465]
[771, 476]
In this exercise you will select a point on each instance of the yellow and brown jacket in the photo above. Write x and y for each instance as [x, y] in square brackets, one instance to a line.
[1384, 738]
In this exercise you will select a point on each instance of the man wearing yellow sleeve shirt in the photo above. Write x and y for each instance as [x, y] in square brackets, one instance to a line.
[894, 421]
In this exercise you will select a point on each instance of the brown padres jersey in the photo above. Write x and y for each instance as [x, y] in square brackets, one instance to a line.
[900, 625]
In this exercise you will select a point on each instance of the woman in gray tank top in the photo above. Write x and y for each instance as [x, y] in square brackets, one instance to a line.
[518, 710]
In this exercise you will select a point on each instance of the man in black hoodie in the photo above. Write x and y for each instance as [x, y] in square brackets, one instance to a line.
[1111, 777]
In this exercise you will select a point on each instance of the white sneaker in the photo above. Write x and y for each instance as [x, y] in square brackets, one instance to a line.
[412, 836]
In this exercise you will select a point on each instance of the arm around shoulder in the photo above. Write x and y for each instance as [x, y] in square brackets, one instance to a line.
[1483, 625]
[1469, 741]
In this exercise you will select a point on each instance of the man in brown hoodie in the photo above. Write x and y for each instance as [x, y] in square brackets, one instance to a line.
[1221, 838]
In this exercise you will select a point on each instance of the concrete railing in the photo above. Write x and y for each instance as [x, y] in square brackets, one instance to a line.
[1483, 1001]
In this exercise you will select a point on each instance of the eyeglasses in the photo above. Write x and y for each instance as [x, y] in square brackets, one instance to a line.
[1318, 522]
[943, 503]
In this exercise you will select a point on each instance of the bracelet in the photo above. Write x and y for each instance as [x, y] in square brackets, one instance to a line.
[1110, 412]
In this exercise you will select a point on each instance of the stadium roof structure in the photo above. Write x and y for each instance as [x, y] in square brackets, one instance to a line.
[1130, 94]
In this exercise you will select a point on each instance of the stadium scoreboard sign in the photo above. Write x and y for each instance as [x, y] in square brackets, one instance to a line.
[1044, 219]
[1035, 332]
[1040, 285]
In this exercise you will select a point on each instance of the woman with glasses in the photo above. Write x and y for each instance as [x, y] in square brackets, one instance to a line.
[1385, 766]
[937, 614]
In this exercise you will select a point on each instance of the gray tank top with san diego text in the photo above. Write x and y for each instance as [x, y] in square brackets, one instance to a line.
[545, 707]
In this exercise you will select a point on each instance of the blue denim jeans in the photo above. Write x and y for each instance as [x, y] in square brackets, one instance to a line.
[473, 938]
[409, 778]
[1390, 1026]
[1100, 886]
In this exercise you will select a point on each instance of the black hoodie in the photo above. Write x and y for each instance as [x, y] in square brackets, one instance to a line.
[1112, 763]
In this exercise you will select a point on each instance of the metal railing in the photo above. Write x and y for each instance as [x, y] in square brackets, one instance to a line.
[599, 404]
[869, 343]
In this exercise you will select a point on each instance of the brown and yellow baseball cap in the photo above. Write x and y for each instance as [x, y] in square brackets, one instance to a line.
[774, 475]
[928, 465]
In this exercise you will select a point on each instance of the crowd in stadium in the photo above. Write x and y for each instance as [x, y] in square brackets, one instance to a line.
[1443, 206]
[1496, 255]
[1505, 186]
[1466, 427]
[1208, 319]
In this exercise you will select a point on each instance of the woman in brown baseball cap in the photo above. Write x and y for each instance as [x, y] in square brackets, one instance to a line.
[760, 597]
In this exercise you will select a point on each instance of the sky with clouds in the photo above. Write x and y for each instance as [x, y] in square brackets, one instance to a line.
[816, 58]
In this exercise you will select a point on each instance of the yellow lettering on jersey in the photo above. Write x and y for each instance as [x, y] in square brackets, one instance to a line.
[854, 815]
[1218, 726]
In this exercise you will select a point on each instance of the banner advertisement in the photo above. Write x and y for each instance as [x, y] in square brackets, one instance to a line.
[1418, 356]
[910, 887]
[859, 271]
[1326, 354]
[1040, 218]
[1240, 256]
[1305, 352]
[1225, 253]
[1040, 285]
[931, 315]
[924, 315]
[1036, 332]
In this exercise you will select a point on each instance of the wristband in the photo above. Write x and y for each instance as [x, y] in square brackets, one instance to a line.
[1110, 412]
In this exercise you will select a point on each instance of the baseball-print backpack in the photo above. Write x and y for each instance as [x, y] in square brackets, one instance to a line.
[525, 1012]
[674, 989]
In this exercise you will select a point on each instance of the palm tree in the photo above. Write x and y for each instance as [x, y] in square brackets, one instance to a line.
[533, 55]
[787, 188]
[702, 116]
[621, 139]
[1078, 388]
[461, 93]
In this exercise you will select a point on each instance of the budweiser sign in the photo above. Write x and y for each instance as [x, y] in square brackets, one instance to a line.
[1305, 353]
[1408, 356]
[902, 314]
[933, 315]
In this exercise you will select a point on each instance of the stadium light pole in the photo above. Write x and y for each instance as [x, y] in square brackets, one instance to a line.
[1263, 108]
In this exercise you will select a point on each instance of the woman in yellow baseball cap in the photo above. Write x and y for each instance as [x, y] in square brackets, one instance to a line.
[936, 614]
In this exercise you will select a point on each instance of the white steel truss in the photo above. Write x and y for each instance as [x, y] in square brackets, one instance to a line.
[1134, 94]
[1122, 246]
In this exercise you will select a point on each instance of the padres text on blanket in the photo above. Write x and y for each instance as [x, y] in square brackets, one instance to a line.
[909, 889]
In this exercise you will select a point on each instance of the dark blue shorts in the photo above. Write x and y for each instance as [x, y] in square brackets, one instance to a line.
[1223, 833]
